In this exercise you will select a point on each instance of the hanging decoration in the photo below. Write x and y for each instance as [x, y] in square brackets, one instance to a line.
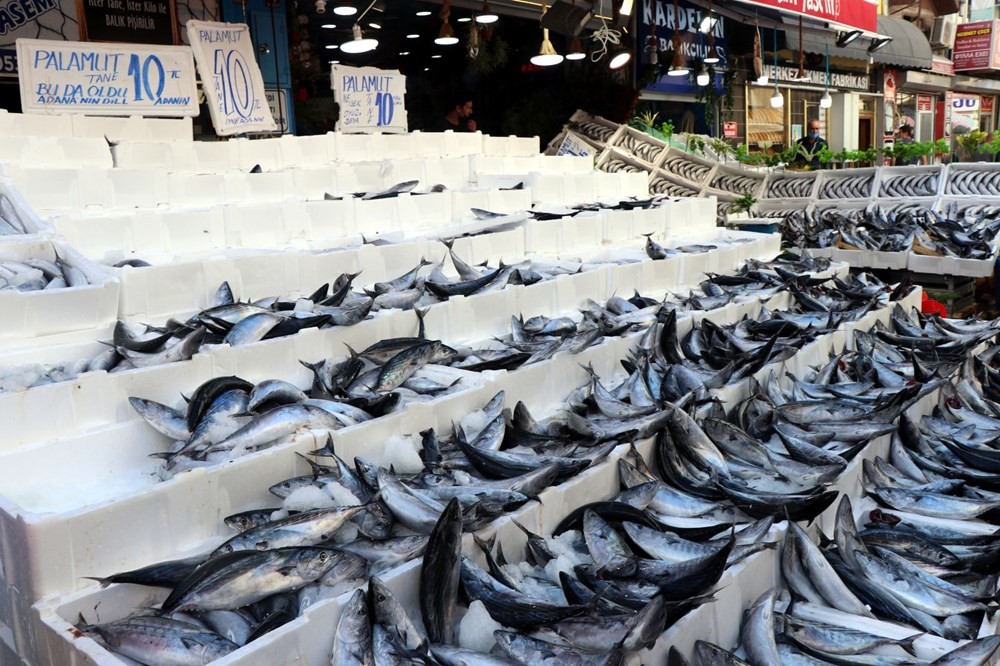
[758, 54]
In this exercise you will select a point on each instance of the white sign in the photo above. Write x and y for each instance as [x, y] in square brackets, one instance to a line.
[103, 79]
[277, 101]
[370, 99]
[573, 144]
[231, 77]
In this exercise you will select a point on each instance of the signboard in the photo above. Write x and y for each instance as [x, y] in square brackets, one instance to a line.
[981, 10]
[370, 99]
[573, 144]
[986, 103]
[889, 103]
[964, 103]
[973, 46]
[31, 19]
[839, 80]
[277, 101]
[231, 77]
[729, 129]
[106, 79]
[943, 66]
[694, 44]
[8, 62]
[857, 14]
[925, 103]
[138, 21]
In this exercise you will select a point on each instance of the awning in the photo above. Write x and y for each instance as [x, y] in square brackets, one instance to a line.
[909, 47]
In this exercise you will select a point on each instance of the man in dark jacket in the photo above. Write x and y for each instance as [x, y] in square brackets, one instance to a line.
[811, 143]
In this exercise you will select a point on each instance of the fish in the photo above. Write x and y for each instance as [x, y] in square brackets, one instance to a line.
[439, 575]
[352, 643]
[161, 640]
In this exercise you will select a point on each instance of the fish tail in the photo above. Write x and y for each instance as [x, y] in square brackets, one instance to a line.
[327, 449]
[907, 644]
[103, 581]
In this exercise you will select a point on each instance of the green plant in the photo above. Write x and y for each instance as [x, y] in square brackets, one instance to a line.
[744, 156]
[942, 147]
[695, 144]
[666, 128]
[722, 148]
[643, 119]
[744, 203]
[973, 143]
[825, 155]
[709, 94]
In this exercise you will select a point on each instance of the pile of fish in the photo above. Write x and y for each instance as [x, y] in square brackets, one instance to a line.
[737, 184]
[787, 187]
[663, 185]
[975, 182]
[971, 210]
[644, 150]
[868, 230]
[969, 236]
[613, 165]
[779, 213]
[10, 222]
[37, 274]
[593, 130]
[907, 186]
[846, 187]
[679, 165]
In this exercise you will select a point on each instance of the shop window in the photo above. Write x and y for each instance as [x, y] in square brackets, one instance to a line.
[765, 124]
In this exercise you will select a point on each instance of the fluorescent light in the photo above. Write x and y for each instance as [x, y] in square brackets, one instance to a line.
[334, 62]
[404, 53]
[713, 56]
[436, 55]
[487, 18]
[423, 13]
[375, 25]
[446, 41]
[878, 43]
[412, 36]
[845, 38]
[329, 26]
[345, 10]
[464, 19]
[708, 23]
[575, 55]
[332, 46]
[427, 69]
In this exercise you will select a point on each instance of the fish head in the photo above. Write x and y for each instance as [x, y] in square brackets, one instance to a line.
[347, 566]
[314, 562]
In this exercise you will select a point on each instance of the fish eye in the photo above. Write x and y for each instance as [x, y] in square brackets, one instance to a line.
[229, 549]
[380, 598]
[324, 556]
[362, 611]
[286, 485]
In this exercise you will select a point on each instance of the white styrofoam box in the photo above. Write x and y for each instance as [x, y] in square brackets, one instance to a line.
[314, 184]
[502, 245]
[403, 146]
[541, 236]
[273, 225]
[704, 178]
[724, 171]
[215, 156]
[871, 258]
[135, 188]
[921, 263]
[776, 176]
[189, 189]
[888, 205]
[330, 221]
[33, 225]
[361, 177]
[665, 183]
[460, 144]
[27, 124]
[427, 144]
[133, 128]
[511, 146]
[626, 135]
[776, 209]
[508, 201]
[960, 204]
[500, 164]
[451, 172]
[359, 147]
[950, 189]
[888, 175]
[14, 150]
[624, 225]
[263, 187]
[305, 151]
[39, 313]
[61, 189]
[143, 155]
[263, 152]
[565, 164]
[828, 175]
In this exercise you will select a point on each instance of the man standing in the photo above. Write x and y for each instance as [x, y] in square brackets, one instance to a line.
[459, 118]
[810, 145]
[905, 138]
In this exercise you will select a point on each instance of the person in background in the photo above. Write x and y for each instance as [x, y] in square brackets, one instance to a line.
[904, 136]
[459, 118]
[811, 143]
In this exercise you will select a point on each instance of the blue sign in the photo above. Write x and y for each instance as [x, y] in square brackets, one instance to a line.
[8, 62]
[694, 44]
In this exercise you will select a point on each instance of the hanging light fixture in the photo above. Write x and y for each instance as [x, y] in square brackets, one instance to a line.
[576, 50]
[707, 24]
[619, 58]
[777, 99]
[487, 16]
[825, 102]
[703, 78]
[344, 9]
[360, 44]
[678, 67]
[547, 55]
[845, 38]
[878, 43]
[446, 36]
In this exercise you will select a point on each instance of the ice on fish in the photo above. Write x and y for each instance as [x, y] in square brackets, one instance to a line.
[475, 631]
[402, 454]
[341, 496]
[473, 423]
[567, 557]
[307, 498]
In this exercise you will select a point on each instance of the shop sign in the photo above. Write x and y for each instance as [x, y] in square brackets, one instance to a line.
[140, 21]
[838, 80]
[729, 129]
[106, 79]
[986, 103]
[27, 19]
[277, 101]
[948, 99]
[694, 45]
[974, 46]
[231, 77]
[942, 66]
[859, 14]
[925, 103]
[889, 85]
[965, 103]
[370, 99]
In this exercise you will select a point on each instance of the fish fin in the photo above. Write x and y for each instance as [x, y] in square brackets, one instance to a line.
[907, 644]
[327, 450]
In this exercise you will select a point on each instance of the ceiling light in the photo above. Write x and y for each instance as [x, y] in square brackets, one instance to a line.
[626, 8]
[762, 80]
[619, 58]
[404, 53]
[678, 67]
[825, 102]
[375, 25]
[345, 10]
[576, 50]
[332, 46]
[427, 69]
[703, 78]
[359, 44]
[845, 38]
[423, 13]
[446, 41]
[464, 19]
[547, 55]
[446, 35]
[708, 23]
[487, 16]
[878, 43]
[412, 36]
[334, 62]
[777, 99]
[436, 55]
[329, 26]
[713, 56]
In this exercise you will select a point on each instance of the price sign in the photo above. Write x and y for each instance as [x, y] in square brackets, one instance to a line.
[370, 99]
[729, 129]
[106, 79]
[573, 144]
[231, 77]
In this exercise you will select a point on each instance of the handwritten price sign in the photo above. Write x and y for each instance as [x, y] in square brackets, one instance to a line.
[370, 99]
[231, 77]
[106, 79]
